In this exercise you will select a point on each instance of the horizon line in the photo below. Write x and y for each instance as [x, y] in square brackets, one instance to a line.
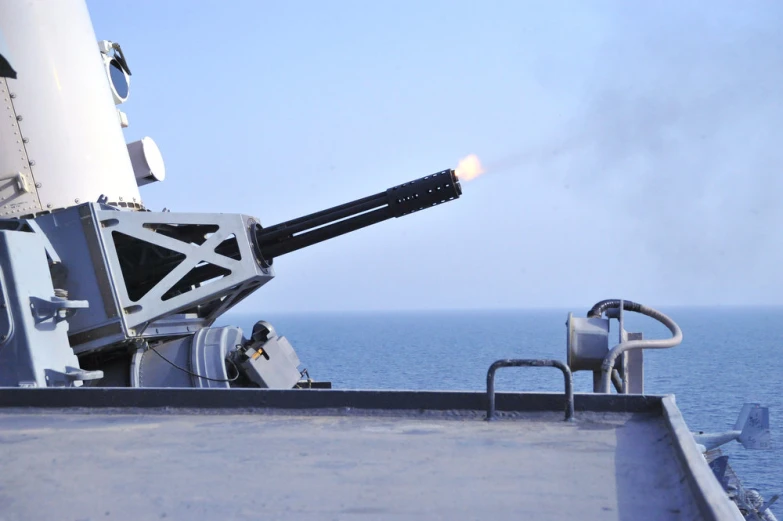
[498, 309]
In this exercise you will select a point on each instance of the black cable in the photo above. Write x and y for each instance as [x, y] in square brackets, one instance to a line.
[599, 308]
[196, 374]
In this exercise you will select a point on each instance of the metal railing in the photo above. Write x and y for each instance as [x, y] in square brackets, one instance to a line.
[569, 384]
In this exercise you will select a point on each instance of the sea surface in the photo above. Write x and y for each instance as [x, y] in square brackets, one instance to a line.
[729, 356]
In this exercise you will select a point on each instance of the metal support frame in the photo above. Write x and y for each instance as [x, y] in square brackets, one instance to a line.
[569, 384]
[198, 282]
[140, 225]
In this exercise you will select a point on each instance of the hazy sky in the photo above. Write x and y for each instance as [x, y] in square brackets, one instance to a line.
[633, 148]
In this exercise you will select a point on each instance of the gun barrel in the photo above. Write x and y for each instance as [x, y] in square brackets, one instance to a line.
[397, 201]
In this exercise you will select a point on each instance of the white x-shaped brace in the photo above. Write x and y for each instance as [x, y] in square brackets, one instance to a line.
[194, 254]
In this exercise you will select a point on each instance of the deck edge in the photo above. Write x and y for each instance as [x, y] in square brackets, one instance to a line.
[712, 501]
[235, 399]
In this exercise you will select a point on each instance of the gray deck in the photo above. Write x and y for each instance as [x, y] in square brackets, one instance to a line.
[329, 465]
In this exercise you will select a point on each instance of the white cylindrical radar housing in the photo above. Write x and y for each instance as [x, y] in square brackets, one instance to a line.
[147, 161]
[64, 144]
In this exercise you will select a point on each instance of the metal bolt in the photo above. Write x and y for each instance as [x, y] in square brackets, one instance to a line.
[32, 163]
[25, 140]
[120, 198]
[19, 117]
[76, 200]
[12, 94]
[38, 185]
[49, 205]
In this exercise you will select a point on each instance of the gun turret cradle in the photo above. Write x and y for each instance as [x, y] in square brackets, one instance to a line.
[148, 279]
[143, 266]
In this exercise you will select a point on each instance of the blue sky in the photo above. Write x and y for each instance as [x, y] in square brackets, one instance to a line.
[633, 149]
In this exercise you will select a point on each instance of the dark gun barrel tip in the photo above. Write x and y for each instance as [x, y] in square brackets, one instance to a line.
[425, 192]
[455, 180]
[404, 199]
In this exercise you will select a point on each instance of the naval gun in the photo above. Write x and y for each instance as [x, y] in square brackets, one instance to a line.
[295, 234]
[96, 289]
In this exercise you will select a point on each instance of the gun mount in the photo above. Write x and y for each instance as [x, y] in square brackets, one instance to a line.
[142, 272]
[123, 296]
[157, 281]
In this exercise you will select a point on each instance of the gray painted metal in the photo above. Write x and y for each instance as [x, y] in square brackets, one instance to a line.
[587, 342]
[272, 364]
[244, 273]
[751, 430]
[239, 399]
[569, 384]
[336, 454]
[79, 466]
[83, 237]
[633, 367]
[34, 348]
[149, 369]
[191, 361]
[72, 234]
[200, 360]
[208, 352]
[713, 502]
[588, 346]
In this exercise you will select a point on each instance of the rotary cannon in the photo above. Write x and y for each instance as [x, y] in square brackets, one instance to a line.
[94, 288]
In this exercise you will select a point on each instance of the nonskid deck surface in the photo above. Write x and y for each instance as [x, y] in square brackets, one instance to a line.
[336, 465]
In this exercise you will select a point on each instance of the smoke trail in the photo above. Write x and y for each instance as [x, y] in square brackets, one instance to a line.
[692, 143]
[680, 137]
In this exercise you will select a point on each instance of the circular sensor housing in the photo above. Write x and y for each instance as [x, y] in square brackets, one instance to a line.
[119, 80]
[147, 161]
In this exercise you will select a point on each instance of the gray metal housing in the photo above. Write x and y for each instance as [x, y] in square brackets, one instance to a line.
[85, 235]
[34, 349]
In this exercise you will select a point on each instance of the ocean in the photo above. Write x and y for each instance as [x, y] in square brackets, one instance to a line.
[729, 356]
